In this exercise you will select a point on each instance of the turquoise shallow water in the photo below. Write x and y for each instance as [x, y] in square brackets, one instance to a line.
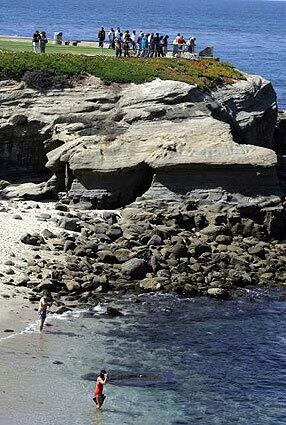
[249, 33]
[202, 362]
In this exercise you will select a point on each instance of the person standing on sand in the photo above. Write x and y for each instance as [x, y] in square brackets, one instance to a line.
[45, 302]
[36, 42]
[98, 396]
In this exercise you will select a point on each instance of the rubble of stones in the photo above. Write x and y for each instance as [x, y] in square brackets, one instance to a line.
[189, 247]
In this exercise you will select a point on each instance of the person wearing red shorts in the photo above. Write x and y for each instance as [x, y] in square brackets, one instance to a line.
[98, 396]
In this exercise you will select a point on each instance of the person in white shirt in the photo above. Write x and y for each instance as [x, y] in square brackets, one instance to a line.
[111, 38]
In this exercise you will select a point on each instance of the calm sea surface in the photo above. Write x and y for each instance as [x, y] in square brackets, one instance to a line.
[171, 362]
[201, 362]
[250, 34]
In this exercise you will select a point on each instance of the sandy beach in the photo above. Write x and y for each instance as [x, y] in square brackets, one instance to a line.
[16, 219]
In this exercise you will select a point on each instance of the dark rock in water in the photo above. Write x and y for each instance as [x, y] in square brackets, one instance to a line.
[87, 314]
[134, 379]
[62, 310]
[190, 290]
[135, 268]
[150, 284]
[9, 330]
[90, 376]
[219, 293]
[32, 239]
[113, 312]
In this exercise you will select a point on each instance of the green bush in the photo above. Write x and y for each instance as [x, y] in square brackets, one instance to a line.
[44, 79]
[206, 73]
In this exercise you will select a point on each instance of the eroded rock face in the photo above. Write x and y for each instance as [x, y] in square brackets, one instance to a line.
[107, 145]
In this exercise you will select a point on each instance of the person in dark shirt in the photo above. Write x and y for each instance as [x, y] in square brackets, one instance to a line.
[165, 44]
[36, 42]
[101, 37]
[43, 41]
[156, 44]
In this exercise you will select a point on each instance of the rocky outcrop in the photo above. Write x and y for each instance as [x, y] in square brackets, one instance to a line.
[214, 246]
[280, 148]
[108, 145]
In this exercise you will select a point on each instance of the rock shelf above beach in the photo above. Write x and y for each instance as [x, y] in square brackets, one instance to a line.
[105, 145]
[158, 187]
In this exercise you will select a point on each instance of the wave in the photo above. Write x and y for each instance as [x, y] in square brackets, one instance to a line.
[33, 327]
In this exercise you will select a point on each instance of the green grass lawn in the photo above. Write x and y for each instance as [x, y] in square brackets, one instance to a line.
[205, 73]
[25, 46]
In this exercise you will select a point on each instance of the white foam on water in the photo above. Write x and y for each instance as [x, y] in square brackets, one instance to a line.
[29, 329]
[100, 309]
[33, 327]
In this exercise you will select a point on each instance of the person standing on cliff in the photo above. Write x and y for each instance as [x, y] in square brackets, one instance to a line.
[111, 38]
[45, 302]
[98, 396]
[101, 37]
[36, 42]
[43, 41]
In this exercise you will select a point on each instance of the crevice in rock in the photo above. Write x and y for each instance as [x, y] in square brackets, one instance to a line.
[23, 152]
[111, 190]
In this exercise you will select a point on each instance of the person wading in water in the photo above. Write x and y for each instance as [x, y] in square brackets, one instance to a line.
[45, 302]
[98, 396]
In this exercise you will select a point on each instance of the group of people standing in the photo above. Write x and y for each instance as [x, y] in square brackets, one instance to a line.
[143, 44]
[39, 41]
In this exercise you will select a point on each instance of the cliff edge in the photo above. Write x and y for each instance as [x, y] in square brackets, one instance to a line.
[106, 145]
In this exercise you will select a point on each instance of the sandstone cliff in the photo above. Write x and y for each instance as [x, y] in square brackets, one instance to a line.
[105, 145]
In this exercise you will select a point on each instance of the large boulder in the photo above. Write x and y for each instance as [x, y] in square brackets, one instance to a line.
[32, 239]
[135, 268]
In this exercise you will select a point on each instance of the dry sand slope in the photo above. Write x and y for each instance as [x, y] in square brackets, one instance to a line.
[16, 219]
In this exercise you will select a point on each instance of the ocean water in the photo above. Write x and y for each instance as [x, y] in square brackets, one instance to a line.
[249, 33]
[171, 361]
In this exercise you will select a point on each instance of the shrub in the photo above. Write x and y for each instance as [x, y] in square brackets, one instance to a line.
[44, 80]
[58, 68]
